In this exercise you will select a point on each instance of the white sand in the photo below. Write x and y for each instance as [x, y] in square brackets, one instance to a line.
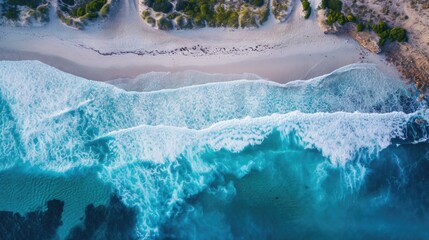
[296, 49]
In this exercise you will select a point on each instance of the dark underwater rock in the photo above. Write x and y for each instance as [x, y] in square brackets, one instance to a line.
[114, 221]
[33, 225]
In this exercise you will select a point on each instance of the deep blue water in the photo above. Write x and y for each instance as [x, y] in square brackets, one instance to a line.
[342, 156]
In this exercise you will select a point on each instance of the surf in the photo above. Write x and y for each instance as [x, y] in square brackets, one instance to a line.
[218, 159]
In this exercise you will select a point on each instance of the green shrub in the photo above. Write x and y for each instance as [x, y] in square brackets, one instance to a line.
[80, 12]
[221, 16]
[305, 5]
[12, 13]
[90, 10]
[307, 13]
[94, 6]
[181, 5]
[43, 9]
[360, 27]
[164, 24]
[351, 18]
[342, 19]
[384, 34]
[246, 19]
[334, 5]
[199, 22]
[145, 14]
[180, 21]
[68, 2]
[29, 3]
[330, 20]
[233, 20]
[213, 13]
[380, 27]
[334, 17]
[264, 13]
[89, 16]
[183, 22]
[174, 15]
[257, 3]
[160, 5]
[150, 20]
[398, 34]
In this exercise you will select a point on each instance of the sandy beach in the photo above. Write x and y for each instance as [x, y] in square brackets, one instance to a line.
[123, 46]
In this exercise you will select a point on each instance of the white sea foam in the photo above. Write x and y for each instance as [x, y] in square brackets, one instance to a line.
[339, 136]
[154, 81]
[57, 113]
[46, 91]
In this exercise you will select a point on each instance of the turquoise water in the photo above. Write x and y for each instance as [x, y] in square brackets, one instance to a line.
[25, 191]
[340, 156]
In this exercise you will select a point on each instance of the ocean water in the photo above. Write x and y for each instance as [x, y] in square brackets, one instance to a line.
[341, 156]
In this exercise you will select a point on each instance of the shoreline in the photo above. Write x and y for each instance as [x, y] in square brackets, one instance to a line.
[281, 69]
[294, 50]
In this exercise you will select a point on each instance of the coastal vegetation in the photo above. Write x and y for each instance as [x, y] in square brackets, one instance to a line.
[162, 14]
[29, 3]
[280, 9]
[385, 33]
[335, 14]
[185, 14]
[75, 13]
[160, 5]
[11, 12]
[16, 10]
[399, 29]
[306, 7]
